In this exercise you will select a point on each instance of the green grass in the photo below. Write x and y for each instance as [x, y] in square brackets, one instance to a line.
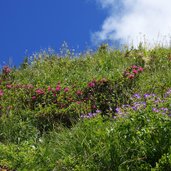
[49, 119]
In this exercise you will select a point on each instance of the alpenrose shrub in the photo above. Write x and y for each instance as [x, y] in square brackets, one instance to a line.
[132, 72]
[65, 104]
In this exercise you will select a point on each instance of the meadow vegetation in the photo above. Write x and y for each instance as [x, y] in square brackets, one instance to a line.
[102, 111]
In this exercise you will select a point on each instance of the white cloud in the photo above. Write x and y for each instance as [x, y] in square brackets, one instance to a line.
[131, 20]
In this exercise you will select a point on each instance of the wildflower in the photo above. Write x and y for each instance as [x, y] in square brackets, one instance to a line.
[39, 92]
[6, 70]
[1, 93]
[135, 71]
[164, 110]
[33, 97]
[134, 67]
[9, 86]
[94, 106]
[78, 102]
[91, 84]
[140, 69]
[167, 93]
[79, 92]
[118, 110]
[155, 110]
[49, 88]
[146, 96]
[29, 86]
[134, 107]
[131, 76]
[66, 89]
[98, 111]
[137, 96]
[58, 87]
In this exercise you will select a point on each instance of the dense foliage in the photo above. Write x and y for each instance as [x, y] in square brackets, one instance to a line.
[109, 110]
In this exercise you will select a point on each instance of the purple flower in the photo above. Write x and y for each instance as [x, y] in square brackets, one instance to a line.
[118, 110]
[134, 107]
[155, 110]
[167, 93]
[146, 96]
[137, 96]
[98, 111]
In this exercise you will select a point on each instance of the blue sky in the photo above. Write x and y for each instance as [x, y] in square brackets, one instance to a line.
[27, 26]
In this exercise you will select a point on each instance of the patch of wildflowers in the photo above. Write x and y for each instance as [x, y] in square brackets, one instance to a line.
[90, 115]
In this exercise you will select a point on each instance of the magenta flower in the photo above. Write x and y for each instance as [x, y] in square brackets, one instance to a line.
[131, 76]
[9, 86]
[33, 97]
[49, 88]
[1, 93]
[78, 102]
[91, 84]
[140, 69]
[40, 92]
[29, 86]
[134, 67]
[58, 87]
[79, 92]
[6, 70]
[135, 71]
[66, 89]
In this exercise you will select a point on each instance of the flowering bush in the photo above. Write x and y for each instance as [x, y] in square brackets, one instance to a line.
[6, 70]
[132, 72]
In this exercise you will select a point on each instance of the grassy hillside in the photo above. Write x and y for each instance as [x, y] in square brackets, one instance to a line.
[108, 110]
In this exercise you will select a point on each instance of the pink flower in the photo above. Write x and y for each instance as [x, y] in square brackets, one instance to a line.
[1, 93]
[94, 106]
[66, 89]
[79, 92]
[49, 88]
[6, 70]
[9, 86]
[33, 97]
[135, 71]
[78, 102]
[40, 92]
[91, 84]
[140, 69]
[29, 86]
[58, 87]
[134, 67]
[131, 76]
